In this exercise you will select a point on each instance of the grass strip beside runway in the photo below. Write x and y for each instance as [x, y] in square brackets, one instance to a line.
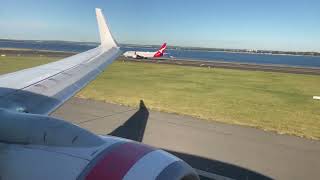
[271, 101]
[278, 102]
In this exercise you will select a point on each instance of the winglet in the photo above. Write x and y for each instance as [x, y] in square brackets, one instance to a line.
[106, 37]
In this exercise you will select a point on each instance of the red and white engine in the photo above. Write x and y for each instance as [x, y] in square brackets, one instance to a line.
[40, 147]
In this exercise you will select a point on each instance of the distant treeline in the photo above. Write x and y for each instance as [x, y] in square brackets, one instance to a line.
[248, 51]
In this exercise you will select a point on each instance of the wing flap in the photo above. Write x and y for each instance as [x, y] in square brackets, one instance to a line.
[30, 76]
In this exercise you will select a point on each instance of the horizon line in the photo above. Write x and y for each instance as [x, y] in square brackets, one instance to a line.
[138, 44]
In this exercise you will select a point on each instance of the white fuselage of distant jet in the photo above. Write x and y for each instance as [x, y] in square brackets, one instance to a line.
[139, 54]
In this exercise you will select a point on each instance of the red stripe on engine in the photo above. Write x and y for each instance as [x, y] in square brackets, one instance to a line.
[115, 164]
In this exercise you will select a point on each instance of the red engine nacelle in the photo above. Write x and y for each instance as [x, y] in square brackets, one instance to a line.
[41, 147]
[129, 160]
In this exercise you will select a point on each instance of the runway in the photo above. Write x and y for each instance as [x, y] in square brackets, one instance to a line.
[230, 65]
[181, 62]
[223, 151]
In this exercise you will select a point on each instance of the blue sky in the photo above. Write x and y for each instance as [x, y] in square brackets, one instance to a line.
[253, 24]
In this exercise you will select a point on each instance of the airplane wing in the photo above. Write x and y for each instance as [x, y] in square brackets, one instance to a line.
[36, 146]
[42, 89]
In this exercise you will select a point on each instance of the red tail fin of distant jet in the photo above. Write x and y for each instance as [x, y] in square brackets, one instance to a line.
[160, 52]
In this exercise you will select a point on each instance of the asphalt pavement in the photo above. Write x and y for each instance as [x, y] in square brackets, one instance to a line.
[216, 150]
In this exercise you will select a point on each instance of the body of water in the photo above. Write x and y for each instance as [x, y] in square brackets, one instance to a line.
[306, 61]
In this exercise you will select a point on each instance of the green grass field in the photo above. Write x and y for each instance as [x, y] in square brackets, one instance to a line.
[271, 101]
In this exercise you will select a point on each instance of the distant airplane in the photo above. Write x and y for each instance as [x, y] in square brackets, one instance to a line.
[142, 55]
[36, 146]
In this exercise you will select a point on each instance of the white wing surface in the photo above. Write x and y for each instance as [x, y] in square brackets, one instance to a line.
[42, 89]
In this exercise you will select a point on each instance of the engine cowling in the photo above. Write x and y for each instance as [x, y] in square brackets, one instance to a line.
[42, 147]
[130, 160]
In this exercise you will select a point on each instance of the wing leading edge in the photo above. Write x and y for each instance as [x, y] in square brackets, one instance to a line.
[42, 89]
